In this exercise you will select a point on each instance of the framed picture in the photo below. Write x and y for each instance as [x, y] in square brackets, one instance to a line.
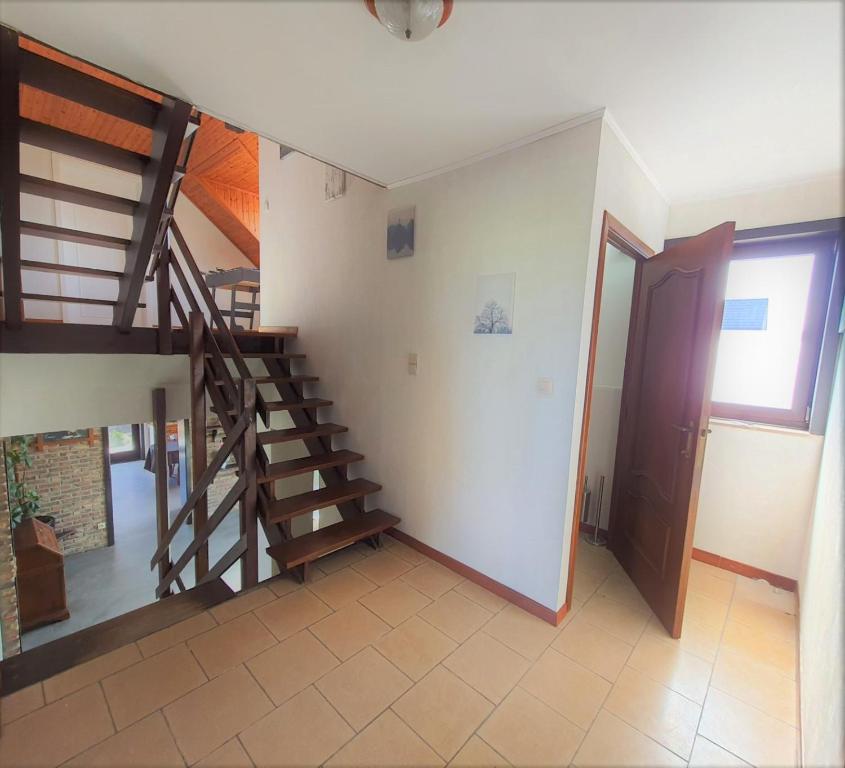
[494, 304]
[71, 436]
[400, 232]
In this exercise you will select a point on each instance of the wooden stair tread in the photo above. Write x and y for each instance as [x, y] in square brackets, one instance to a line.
[67, 193]
[282, 469]
[73, 299]
[267, 355]
[280, 510]
[30, 667]
[73, 235]
[69, 269]
[299, 433]
[277, 380]
[297, 405]
[305, 549]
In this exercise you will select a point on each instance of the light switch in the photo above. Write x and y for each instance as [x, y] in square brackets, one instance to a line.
[412, 363]
[545, 386]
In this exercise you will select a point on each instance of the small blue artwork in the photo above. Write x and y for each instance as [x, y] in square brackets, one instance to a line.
[745, 315]
[400, 233]
[494, 304]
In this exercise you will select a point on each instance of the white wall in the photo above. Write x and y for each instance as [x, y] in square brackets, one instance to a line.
[471, 456]
[811, 200]
[614, 319]
[45, 393]
[821, 587]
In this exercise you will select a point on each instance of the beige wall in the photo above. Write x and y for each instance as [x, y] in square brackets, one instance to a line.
[821, 588]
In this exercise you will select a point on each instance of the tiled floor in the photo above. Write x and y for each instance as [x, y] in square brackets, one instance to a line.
[386, 658]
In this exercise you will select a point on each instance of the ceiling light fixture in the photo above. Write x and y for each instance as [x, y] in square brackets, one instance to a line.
[411, 20]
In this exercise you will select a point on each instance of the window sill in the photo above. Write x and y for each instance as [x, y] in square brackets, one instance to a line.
[755, 426]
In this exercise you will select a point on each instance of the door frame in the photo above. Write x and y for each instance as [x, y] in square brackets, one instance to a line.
[617, 234]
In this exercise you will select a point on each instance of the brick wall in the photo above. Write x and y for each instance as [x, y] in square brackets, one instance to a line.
[70, 478]
[9, 628]
[225, 479]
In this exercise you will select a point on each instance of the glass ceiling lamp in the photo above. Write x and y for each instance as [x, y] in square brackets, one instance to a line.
[411, 20]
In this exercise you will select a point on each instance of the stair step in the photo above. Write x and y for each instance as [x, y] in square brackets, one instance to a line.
[73, 299]
[30, 667]
[278, 380]
[282, 469]
[67, 193]
[266, 355]
[280, 510]
[299, 433]
[307, 548]
[298, 405]
[66, 143]
[68, 83]
[69, 269]
[73, 235]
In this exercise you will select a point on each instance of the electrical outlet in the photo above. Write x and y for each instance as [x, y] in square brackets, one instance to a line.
[413, 363]
[101, 526]
[545, 386]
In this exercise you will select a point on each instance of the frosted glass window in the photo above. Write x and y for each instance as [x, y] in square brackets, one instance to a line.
[760, 342]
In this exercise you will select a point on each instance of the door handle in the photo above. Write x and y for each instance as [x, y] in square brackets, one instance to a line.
[688, 431]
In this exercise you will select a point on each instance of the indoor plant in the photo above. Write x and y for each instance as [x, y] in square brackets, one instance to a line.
[23, 501]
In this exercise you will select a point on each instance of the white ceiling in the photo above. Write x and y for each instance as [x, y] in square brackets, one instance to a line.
[715, 97]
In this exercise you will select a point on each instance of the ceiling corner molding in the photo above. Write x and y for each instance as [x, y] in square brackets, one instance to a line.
[567, 125]
[635, 156]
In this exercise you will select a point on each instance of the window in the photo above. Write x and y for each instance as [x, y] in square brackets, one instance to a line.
[775, 307]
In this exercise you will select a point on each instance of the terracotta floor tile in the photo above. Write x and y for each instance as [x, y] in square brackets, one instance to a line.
[701, 609]
[667, 663]
[586, 584]
[620, 588]
[230, 644]
[383, 567]
[711, 586]
[396, 602]
[762, 592]
[484, 597]
[292, 665]
[136, 692]
[527, 732]
[665, 716]
[341, 559]
[611, 743]
[294, 612]
[21, 703]
[147, 744]
[178, 633]
[696, 566]
[230, 755]
[746, 732]
[697, 639]
[477, 753]
[386, 741]
[760, 647]
[781, 626]
[208, 717]
[404, 551]
[342, 587]
[618, 619]
[55, 733]
[593, 647]
[284, 584]
[488, 666]
[519, 630]
[443, 710]
[363, 687]
[82, 675]
[237, 606]
[706, 754]
[416, 647]
[567, 687]
[348, 630]
[759, 685]
[304, 731]
[455, 615]
[432, 579]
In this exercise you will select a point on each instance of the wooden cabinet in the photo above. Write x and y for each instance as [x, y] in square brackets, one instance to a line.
[42, 598]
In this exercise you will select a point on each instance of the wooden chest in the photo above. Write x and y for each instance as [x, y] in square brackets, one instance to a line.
[42, 598]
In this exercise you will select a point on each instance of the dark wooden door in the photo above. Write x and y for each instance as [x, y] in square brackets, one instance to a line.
[675, 321]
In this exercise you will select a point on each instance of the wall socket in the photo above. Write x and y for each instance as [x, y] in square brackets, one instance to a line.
[413, 363]
[545, 386]
[101, 526]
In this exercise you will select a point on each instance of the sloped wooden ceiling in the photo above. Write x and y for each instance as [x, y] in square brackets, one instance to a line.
[222, 177]
[222, 181]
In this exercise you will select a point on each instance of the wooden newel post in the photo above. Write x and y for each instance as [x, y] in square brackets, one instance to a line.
[199, 449]
[165, 332]
[249, 498]
[160, 465]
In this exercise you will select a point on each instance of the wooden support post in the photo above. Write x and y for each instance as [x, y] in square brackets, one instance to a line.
[249, 498]
[160, 466]
[165, 331]
[199, 450]
[10, 204]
